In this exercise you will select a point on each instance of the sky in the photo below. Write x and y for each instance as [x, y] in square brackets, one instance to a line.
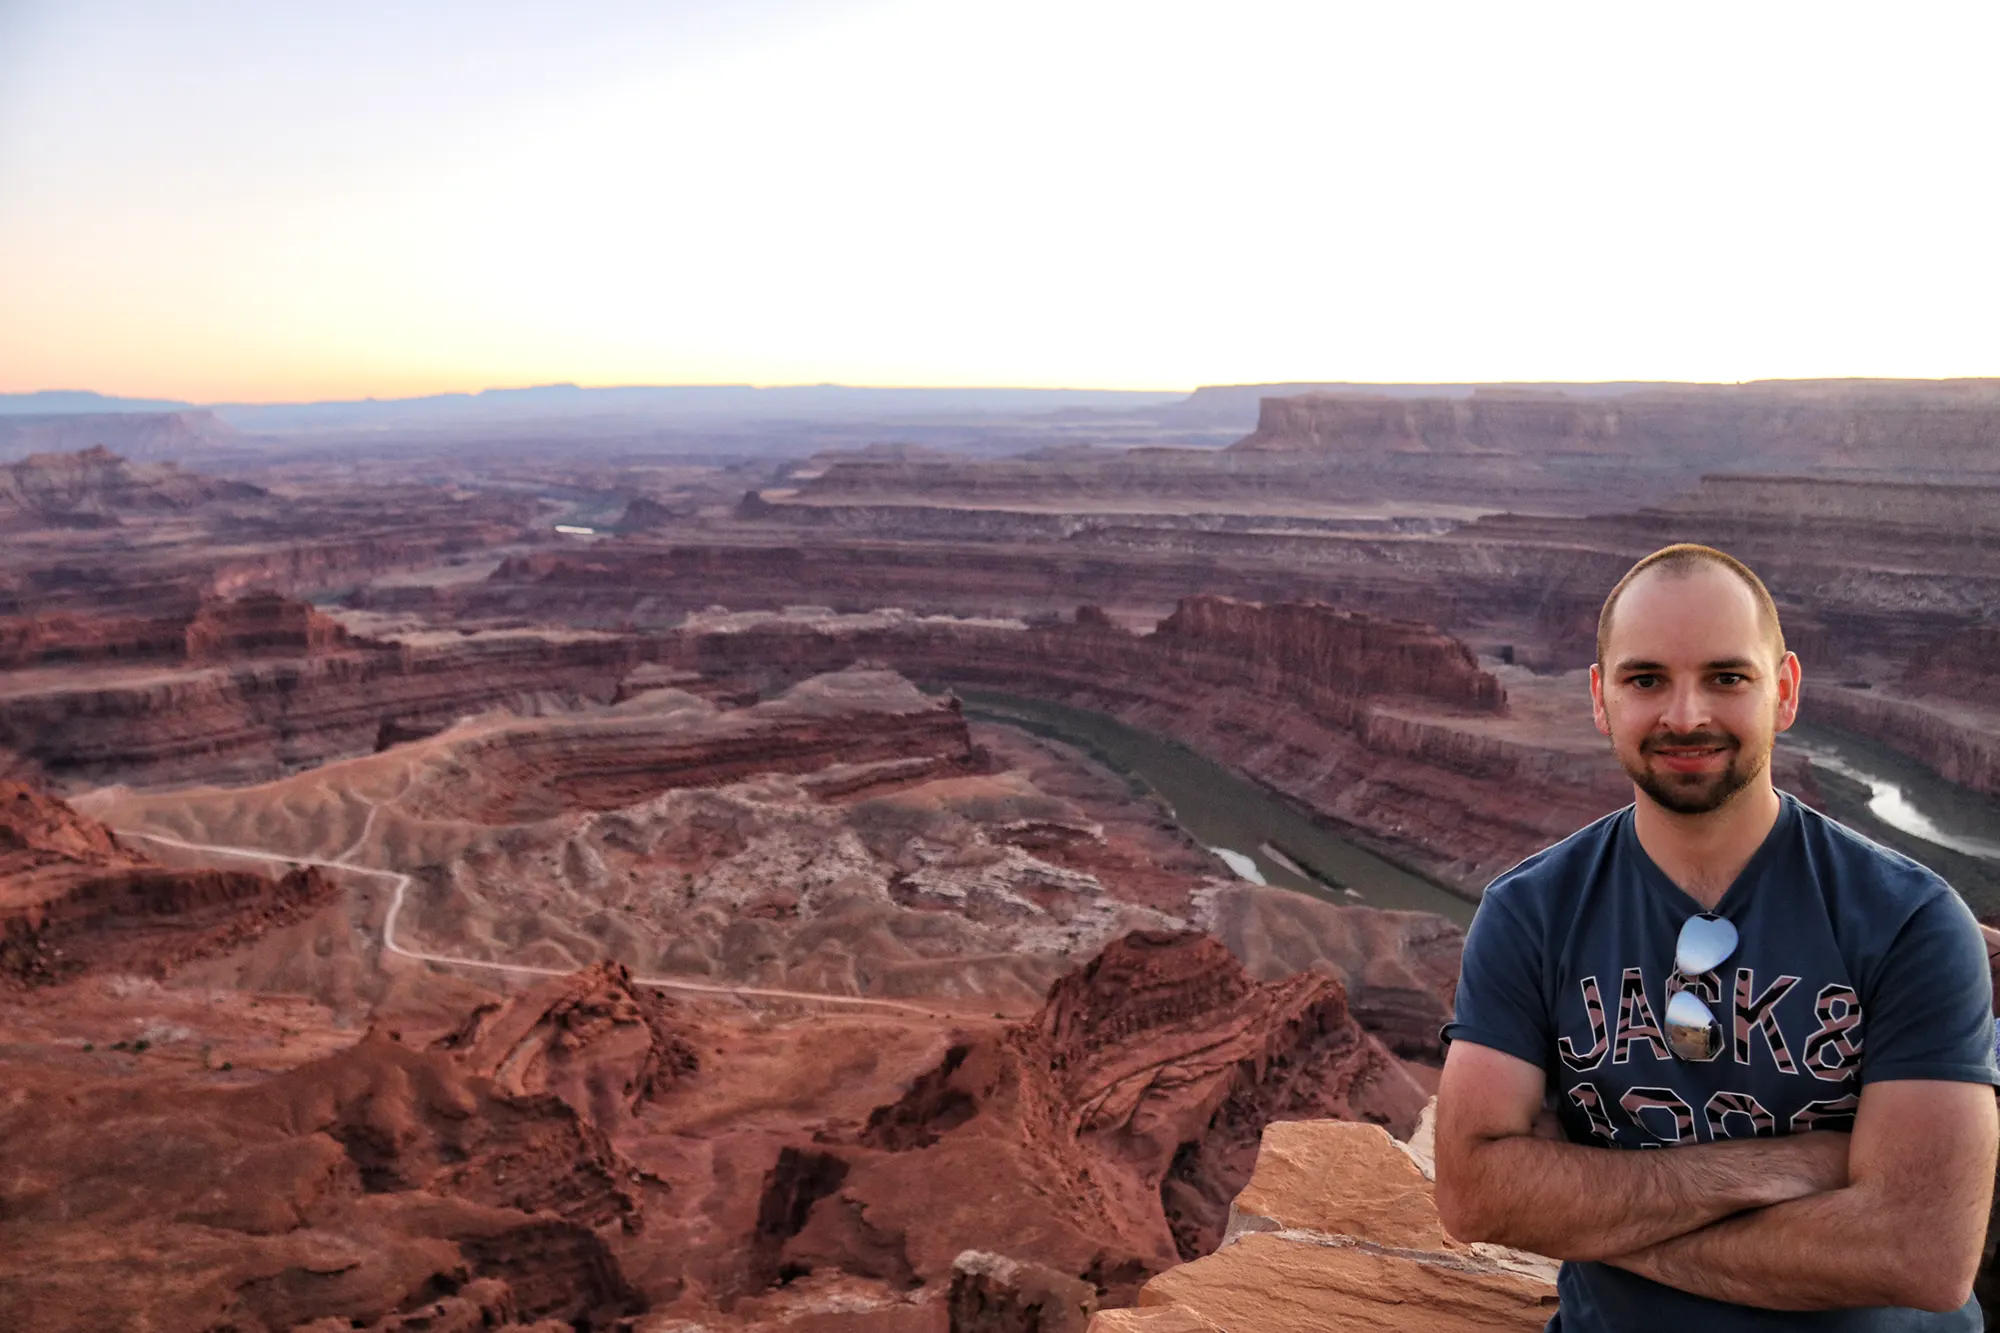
[276, 202]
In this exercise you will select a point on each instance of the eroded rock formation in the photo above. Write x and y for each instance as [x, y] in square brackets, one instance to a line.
[1104, 1138]
[383, 1187]
[605, 1047]
[73, 899]
[91, 488]
[991, 1293]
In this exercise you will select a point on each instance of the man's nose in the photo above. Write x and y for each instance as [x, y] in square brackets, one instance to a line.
[1686, 710]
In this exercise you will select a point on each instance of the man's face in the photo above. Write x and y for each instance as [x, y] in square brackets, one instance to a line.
[1691, 690]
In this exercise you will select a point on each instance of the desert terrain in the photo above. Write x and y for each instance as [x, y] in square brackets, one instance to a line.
[835, 864]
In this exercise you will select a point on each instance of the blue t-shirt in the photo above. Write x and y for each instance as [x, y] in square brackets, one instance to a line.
[1567, 965]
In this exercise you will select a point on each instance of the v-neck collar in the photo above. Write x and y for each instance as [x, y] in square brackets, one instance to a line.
[1658, 881]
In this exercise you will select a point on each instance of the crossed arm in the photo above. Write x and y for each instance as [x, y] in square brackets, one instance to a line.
[1894, 1214]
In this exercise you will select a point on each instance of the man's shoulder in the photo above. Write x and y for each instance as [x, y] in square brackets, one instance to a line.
[1855, 865]
[1557, 869]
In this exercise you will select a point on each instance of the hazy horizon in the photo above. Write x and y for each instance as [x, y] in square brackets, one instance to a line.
[232, 203]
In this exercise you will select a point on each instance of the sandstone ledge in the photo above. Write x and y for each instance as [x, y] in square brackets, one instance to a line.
[1337, 1229]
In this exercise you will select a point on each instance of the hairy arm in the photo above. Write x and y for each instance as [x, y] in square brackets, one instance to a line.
[1906, 1231]
[1497, 1182]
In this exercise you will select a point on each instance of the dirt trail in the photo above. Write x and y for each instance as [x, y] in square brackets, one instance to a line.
[402, 884]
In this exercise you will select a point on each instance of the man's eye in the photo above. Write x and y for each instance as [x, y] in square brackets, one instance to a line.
[1644, 682]
[1730, 678]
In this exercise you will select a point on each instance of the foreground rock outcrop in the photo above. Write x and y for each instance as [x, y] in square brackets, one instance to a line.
[591, 1038]
[1337, 1229]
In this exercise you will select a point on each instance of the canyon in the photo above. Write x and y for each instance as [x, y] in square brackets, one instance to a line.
[633, 887]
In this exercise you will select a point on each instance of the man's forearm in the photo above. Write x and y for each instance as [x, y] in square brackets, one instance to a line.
[1572, 1202]
[1907, 1230]
[1829, 1251]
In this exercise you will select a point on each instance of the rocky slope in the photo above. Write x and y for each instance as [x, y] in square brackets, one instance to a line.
[1104, 1138]
[383, 1188]
[845, 837]
[72, 899]
[584, 1149]
[1960, 740]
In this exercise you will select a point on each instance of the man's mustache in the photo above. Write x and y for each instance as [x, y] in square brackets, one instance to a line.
[1692, 740]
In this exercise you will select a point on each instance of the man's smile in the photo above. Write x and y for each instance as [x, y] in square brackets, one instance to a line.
[1690, 757]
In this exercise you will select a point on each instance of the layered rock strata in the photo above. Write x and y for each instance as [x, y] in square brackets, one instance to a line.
[253, 717]
[91, 534]
[214, 630]
[72, 899]
[1828, 424]
[1310, 647]
[1104, 1138]
[1957, 738]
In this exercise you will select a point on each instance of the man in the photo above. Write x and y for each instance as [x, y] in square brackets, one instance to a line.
[1800, 1015]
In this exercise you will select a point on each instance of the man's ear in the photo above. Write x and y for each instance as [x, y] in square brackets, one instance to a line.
[1789, 677]
[1597, 713]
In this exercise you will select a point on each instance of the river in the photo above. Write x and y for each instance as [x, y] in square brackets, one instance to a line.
[1260, 835]
[1904, 794]
[1266, 838]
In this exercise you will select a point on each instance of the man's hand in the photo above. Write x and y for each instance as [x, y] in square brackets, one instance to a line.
[1497, 1182]
[1907, 1231]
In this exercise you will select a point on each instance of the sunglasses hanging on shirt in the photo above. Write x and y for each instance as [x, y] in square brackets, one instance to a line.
[1705, 943]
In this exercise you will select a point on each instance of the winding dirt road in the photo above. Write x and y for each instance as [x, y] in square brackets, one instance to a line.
[402, 884]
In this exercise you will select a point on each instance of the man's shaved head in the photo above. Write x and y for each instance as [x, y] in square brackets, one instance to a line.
[1681, 561]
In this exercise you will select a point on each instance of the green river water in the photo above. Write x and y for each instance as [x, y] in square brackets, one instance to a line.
[1263, 835]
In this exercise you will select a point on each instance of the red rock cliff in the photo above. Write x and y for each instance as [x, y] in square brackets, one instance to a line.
[71, 898]
[1307, 643]
[212, 630]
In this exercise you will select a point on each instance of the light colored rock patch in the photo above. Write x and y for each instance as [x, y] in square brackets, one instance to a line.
[1338, 1228]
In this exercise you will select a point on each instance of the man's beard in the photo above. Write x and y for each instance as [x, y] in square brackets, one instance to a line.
[1695, 793]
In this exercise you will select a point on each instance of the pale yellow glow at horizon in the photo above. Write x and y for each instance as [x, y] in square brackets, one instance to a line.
[1102, 195]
